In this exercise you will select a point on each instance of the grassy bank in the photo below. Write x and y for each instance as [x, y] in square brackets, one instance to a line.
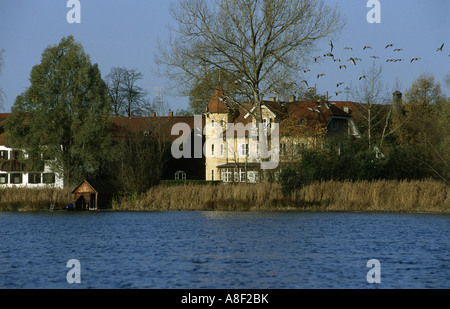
[427, 196]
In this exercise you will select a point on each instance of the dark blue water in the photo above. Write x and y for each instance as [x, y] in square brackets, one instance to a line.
[193, 250]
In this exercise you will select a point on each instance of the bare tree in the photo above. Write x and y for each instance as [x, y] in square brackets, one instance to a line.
[114, 82]
[372, 94]
[126, 95]
[134, 94]
[262, 42]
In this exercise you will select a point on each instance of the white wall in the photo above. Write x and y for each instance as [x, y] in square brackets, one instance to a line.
[59, 181]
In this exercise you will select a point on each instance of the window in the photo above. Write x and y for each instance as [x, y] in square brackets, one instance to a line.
[265, 122]
[243, 150]
[334, 125]
[34, 178]
[283, 149]
[48, 178]
[252, 177]
[212, 150]
[212, 175]
[242, 175]
[3, 179]
[16, 178]
[4, 154]
[180, 175]
[295, 148]
[226, 175]
[222, 123]
[212, 123]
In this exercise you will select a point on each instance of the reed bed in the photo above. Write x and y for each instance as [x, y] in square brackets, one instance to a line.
[425, 196]
[27, 199]
[416, 196]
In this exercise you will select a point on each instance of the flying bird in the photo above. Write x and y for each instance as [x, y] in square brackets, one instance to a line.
[306, 70]
[337, 60]
[352, 60]
[398, 49]
[374, 57]
[319, 75]
[440, 48]
[331, 46]
[342, 66]
[390, 60]
[337, 92]
[359, 59]
[315, 58]
[306, 83]
[328, 55]
[389, 45]
[349, 48]
[367, 47]
[339, 84]
[364, 76]
[415, 59]
[398, 60]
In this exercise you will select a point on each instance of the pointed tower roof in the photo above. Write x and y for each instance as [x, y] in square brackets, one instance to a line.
[217, 103]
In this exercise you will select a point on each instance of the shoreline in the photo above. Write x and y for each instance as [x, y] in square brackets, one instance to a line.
[382, 196]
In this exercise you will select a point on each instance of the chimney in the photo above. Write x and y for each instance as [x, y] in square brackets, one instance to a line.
[397, 102]
[170, 113]
[291, 98]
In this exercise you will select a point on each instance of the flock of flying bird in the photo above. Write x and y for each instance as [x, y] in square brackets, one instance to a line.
[354, 60]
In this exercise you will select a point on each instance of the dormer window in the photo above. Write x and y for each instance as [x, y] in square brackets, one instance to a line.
[334, 125]
[4, 154]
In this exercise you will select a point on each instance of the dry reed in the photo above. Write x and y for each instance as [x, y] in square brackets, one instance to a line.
[27, 199]
[424, 196]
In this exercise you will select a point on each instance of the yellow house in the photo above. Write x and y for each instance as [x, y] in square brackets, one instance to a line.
[232, 141]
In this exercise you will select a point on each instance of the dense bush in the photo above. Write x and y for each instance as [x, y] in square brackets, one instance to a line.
[353, 164]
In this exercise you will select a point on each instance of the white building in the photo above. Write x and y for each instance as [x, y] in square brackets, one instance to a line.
[14, 174]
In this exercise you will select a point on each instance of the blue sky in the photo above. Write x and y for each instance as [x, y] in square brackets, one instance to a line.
[124, 33]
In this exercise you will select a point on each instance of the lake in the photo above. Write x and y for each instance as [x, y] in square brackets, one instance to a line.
[223, 250]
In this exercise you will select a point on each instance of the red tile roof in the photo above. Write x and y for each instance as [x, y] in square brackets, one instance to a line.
[217, 104]
[314, 112]
[158, 126]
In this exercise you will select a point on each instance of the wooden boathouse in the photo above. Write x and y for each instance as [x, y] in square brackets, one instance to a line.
[85, 196]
